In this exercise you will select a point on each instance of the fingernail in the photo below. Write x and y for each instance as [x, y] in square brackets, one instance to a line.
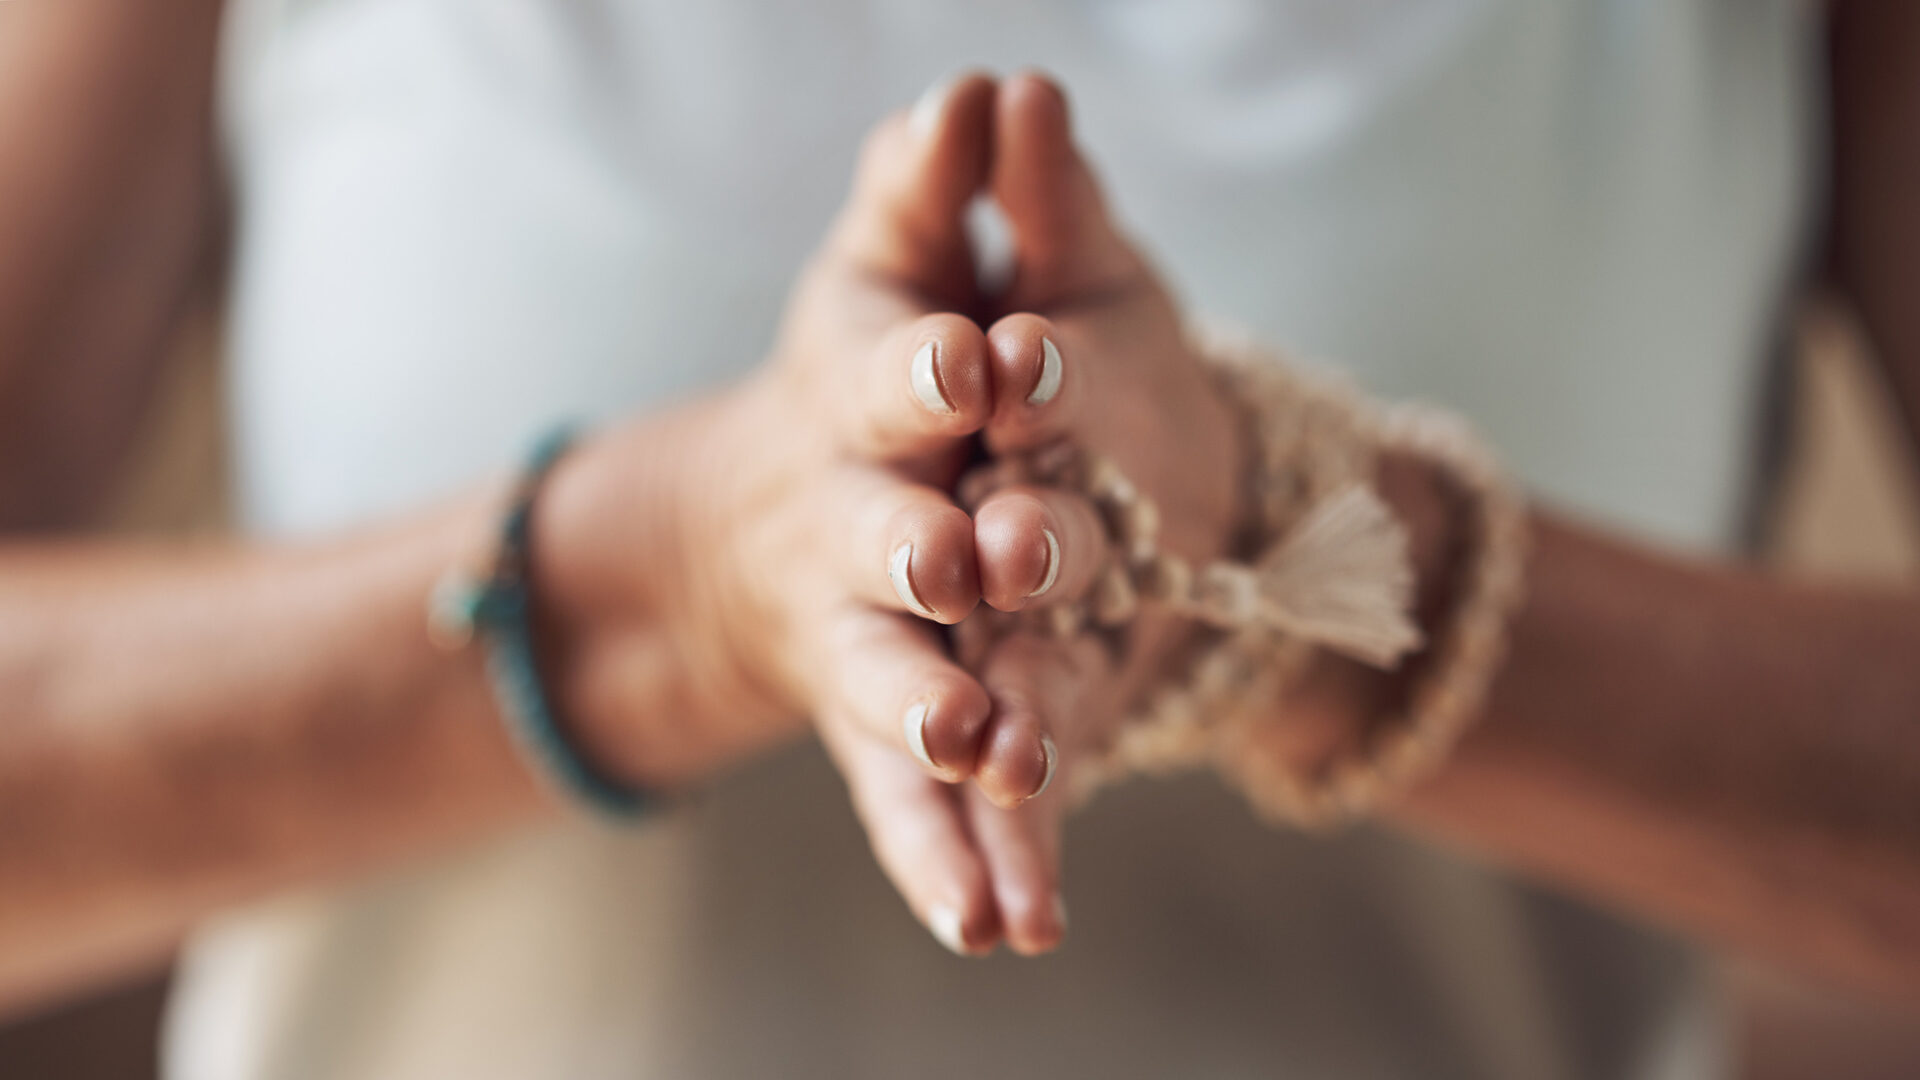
[1048, 384]
[915, 723]
[1053, 564]
[1052, 753]
[1060, 913]
[926, 381]
[903, 583]
[927, 109]
[945, 924]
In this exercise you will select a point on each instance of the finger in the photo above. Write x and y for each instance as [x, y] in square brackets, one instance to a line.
[919, 171]
[920, 838]
[1021, 848]
[1064, 241]
[1037, 545]
[1037, 389]
[1035, 683]
[927, 382]
[906, 547]
[892, 679]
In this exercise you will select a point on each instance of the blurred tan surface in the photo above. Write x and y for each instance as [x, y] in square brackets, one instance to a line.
[176, 480]
[1849, 505]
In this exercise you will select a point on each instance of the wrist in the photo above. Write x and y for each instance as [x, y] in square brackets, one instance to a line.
[574, 605]
[490, 603]
[1340, 701]
[629, 614]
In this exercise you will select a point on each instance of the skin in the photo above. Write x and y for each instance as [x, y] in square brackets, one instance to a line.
[1651, 752]
[1725, 753]
[191, 726]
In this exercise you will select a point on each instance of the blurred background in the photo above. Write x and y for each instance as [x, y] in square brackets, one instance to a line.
[1845, 507]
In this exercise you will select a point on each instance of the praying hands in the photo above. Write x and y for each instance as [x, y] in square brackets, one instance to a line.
[708, 579]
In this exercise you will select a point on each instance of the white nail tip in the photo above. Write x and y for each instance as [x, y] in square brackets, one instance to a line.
[1052, 753]
[903, 582]
[915, 725]
[926, 381]
[1048, 384]
[1053, 565]
[945, 924]
[927, 109]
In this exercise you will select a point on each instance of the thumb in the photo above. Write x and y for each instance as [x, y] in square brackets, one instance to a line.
[1064, 242]
[919, 172]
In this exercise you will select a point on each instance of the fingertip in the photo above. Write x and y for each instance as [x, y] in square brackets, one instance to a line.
[954, 107]
[1017, 544]
[919, 170]
[1034, 135]
[970, 932]
[944, 727]
[1017, 758]
[1033, 381]
[931, 563]
[1035, 100]
[966, 916]
[1022, 854]
[1034, 920]
[1065, 244]
[948, 374]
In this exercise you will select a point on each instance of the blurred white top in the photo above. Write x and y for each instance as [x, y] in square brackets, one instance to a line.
[463, 219]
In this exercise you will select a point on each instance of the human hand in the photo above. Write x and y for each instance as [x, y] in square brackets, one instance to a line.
[776, 550]
[1093, 351]
[1151, 408]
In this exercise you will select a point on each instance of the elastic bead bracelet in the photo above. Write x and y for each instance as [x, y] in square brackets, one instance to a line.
[497, 607]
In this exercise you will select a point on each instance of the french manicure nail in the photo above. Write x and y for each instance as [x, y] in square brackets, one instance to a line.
[1048, 384]
[903, 581]
[1053, 564]
[926, 381]
[915, 723]
[927, 108]
[1052, 753]
[945, 924]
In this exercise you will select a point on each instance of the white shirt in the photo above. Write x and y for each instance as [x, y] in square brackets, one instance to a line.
[463, 219]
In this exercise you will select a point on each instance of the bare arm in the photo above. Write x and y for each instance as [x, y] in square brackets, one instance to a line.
[185, 729]
[1724, 753]
[181, 729]
[1729, 755]
[109, 209]
[1734, 755]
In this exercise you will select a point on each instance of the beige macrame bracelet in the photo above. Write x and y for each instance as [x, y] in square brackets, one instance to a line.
[1333, 572]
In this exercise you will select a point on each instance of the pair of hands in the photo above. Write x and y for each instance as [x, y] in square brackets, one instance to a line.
[797, 539]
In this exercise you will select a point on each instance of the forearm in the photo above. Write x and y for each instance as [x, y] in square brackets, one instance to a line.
[186, 730]
[1724, 753]
[1731, 755]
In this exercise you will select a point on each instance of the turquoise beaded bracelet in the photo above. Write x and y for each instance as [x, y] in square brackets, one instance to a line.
[498, 609]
